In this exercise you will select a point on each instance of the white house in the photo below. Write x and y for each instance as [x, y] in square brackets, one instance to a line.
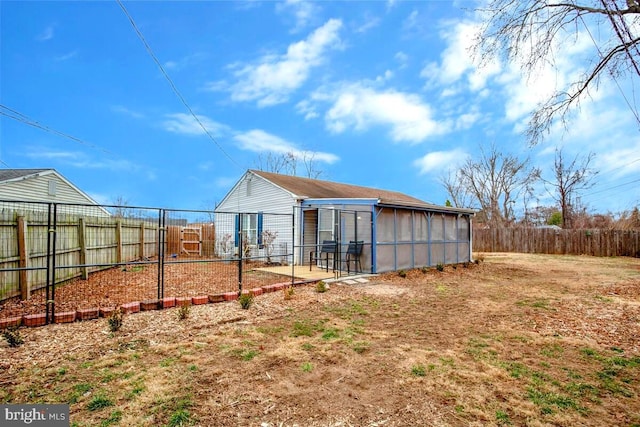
[42, 186]
[395, 231]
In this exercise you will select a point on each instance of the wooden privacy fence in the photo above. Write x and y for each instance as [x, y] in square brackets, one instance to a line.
[549, 241]
[83, 244]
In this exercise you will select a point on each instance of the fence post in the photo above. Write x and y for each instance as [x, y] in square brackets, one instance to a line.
[119, 241]
[83, 248]
[23, 263]
[240, 252]
[142, 240]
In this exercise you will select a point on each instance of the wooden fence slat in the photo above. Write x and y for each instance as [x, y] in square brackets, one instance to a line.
[23, 275]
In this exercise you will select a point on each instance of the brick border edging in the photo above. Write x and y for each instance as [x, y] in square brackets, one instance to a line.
[40, 319]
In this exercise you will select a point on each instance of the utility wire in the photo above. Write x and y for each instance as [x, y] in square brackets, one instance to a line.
[173, 86]
[613, 77]
[16, 115]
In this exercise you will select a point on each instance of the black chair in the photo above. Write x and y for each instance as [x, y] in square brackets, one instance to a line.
[328, 247]
[354, 251]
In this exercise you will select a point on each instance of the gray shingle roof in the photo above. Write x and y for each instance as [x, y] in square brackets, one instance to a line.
[319, 189]
[7, 174]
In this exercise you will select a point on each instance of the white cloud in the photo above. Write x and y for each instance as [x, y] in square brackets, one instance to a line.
[307, 109]
[78, 159]
[127, 112]
[187, 124]
[303, 12]
[259, 141]
[438, 161]
[274, 77]
[402, 59]
[456, 61]
[361, 108]
[185, 61]
[66, 56]
[369, 23]
[46, 34]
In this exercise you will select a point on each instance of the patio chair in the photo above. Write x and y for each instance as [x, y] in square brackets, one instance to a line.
[354, 251]
[328, 247]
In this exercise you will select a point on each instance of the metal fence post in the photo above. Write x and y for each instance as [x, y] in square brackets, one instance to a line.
[240, 252]
[52, 231]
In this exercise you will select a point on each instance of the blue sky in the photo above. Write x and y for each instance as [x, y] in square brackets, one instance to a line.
[379, 94]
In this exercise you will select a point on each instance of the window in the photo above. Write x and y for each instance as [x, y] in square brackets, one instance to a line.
[251, 229]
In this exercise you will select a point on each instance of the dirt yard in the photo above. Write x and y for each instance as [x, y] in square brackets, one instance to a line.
[121, 285]
[517, 340]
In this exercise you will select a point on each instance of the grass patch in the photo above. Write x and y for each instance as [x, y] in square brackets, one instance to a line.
[114, 418]
[98, 402]
[307, 367]
[418, 370]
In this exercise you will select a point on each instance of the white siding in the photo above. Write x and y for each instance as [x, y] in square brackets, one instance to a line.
[37, 189]
[253, 194]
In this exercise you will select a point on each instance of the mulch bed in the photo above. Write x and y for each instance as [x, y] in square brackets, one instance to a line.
[120, 285]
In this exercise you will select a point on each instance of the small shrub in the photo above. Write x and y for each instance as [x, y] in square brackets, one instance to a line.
[440, 267]
[402, 273]
[321, 287]
[307, 367]
[183, 312]
[418, 370]
[424, 270]
[99, 402]
[288, 292]
[245, 301]
[115, 320]
[13, 337]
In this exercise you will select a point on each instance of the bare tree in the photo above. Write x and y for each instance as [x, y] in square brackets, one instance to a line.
[456, 189]
[496, 181]
[120, 208]
[528, 32]
[569, 179]
[288, 163]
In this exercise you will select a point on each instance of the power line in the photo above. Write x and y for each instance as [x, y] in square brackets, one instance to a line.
[173, 86]
[614, 187]
[18, 116]
[613, 77]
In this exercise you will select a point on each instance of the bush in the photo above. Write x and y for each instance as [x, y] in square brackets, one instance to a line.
[13, 337]
[402, 273]
[245, 301]
[183, 312]
[321, 287]
[440, 266]
[115, 320]
[288, 292]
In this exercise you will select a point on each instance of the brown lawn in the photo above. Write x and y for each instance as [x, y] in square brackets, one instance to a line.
[516, 340]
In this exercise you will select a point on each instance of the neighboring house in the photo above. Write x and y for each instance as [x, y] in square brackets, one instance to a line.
[397, 231]
[44, 185]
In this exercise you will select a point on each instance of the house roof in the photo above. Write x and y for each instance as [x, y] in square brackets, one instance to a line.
[307, 188]
[9, 174]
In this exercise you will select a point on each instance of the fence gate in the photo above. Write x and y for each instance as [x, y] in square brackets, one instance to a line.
[191, 240]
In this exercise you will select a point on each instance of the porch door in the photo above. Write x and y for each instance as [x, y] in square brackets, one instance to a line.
[328, 228]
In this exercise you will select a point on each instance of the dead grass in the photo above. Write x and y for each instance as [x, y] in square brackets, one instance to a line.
[517, 340]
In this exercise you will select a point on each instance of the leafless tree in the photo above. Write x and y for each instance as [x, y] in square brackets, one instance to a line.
[290, 163]
[528, 32]
[121, 207]
[496, 181]
[569, 180]
[456, 189]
